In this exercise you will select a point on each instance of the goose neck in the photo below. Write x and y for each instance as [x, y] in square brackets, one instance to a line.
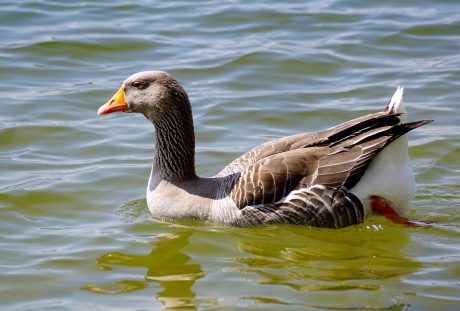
[174, 157]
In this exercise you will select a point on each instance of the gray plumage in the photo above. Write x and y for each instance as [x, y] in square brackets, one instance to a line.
[300, 179]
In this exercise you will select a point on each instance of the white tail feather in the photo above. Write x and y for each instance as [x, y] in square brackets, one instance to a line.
[390, 174]
[396, 104]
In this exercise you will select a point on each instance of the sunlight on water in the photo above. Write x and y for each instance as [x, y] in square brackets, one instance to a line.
[76, 232]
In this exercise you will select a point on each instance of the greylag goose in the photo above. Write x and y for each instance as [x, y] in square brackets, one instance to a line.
[332, 178]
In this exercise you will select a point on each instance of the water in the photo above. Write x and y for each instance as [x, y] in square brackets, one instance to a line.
[75, 230]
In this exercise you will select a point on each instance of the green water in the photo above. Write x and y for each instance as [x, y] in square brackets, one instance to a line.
[75, 232]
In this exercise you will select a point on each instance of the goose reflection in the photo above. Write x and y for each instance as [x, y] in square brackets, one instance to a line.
[172, 269]
[166, 265]
[321, 261]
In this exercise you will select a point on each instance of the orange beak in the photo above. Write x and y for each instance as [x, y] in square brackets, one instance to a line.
[116, 103]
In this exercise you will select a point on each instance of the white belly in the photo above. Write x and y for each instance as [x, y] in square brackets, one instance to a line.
[389, 176]
[172, 202]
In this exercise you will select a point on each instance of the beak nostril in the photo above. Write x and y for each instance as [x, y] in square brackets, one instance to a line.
[112, 101]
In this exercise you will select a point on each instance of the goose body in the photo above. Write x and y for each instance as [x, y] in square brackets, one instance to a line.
[331, 178]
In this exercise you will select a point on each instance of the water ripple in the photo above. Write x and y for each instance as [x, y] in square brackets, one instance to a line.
[74, 221]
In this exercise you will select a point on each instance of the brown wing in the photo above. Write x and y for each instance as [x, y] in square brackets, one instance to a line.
[316, 206]
[337, 165]
[265, 150]
[372, 141]
[332, 135]
[271, 178]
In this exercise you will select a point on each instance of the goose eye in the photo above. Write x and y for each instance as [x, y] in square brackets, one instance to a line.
[137, 84]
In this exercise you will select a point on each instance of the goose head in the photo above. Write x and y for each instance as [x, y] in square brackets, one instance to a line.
[161, 99]
[151, 93]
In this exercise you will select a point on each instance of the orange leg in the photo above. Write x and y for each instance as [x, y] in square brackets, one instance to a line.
[380, 206]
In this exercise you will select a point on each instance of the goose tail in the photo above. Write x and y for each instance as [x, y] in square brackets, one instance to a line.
[390, 176]
[396, 104]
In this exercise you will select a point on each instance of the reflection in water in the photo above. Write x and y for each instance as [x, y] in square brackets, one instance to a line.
[172, 270]
[269, 265]
[322, 262]
[166, 265]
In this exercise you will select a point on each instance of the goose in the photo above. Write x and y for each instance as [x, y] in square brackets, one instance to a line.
[332, 178]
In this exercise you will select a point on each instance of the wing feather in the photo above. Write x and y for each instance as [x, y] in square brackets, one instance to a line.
[272, 177]
[316, 206]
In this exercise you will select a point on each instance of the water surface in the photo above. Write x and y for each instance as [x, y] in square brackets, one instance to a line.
[75, 230]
